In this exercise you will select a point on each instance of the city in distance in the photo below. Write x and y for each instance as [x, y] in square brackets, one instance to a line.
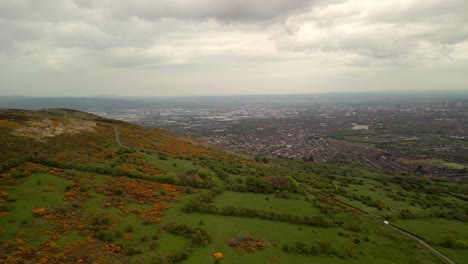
[284, 178]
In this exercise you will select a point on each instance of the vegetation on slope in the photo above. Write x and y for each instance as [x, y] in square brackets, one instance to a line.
[78, 188]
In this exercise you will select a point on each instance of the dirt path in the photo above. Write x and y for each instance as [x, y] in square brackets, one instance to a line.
[117, 138]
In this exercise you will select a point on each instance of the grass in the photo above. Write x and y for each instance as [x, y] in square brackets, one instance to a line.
[377, 191]
[29, 196]
[377, 242]
[455, 165]
[181, 165]
[385, 246]
[432, 230]
[142, 232]
[69, 238]
[266, 202]
[169, 243]
[70, 114]
[438, 163]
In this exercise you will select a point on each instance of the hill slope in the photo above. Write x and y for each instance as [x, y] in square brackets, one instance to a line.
[77, 188]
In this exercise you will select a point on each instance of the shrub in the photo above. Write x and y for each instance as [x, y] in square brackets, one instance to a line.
[132, 250]
[129, 228]
[105, 235]
[196, 235]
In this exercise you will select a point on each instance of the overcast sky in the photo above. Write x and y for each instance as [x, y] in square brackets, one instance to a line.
[221, 47]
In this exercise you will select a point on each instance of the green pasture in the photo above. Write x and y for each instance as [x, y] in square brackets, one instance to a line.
[384, 246]
[37, 190]
[434, 229]
[267, 202]
[438, 163]
[181, 166]
[379, 192]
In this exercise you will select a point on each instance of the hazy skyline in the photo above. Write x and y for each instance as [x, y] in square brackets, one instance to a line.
[221, 47]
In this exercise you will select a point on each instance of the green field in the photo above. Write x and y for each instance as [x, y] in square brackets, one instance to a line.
[267, 202]
[174, 165]
[377, 191]
[384, 246]
[47, 190]
[38, 190]
[438, 163]
[434, 229]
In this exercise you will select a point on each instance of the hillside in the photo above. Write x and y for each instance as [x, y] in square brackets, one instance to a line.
[78, 188]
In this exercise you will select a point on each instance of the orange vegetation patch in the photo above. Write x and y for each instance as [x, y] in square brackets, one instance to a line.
[334, 202]
[128, 236]
[64, 219]
[76, 193]
[9, 124]
[28, 167]
[120, 189]
[167, 142]
[244, 242]
[39, 211]
[85, 251]
[218, 255]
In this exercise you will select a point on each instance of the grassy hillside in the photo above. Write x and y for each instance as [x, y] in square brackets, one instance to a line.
[77, 188]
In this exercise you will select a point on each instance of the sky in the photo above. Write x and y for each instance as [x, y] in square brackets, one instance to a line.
[231, 47]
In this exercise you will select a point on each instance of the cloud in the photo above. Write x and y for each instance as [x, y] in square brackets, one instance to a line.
[229, 11]
[270, 39]
[396, 31]
[147, 31]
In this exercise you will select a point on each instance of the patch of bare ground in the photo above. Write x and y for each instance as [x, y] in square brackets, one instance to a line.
[46, 128]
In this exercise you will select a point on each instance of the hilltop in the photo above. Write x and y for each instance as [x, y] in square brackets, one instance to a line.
[79, 188]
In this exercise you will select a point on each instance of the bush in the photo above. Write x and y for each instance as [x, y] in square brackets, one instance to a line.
[196, 235]
[105, 235]
[132, 250]
[168, 178]
[129, 229]
[449, 241]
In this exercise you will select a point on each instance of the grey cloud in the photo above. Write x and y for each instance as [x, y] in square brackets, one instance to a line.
[417, 11]
[261, 41]
[232, 10]
[400, 33]
[15, 33]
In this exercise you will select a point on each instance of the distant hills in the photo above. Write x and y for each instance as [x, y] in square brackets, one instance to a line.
[107, 103]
